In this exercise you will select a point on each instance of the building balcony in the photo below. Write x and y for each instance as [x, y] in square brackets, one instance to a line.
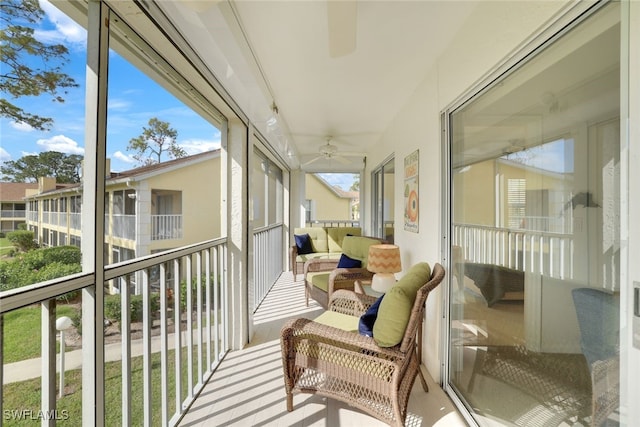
[148, 381]
[18, 214]
[165, 227]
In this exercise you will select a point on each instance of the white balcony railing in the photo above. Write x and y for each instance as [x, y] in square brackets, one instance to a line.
[333, 223]
[268, 250]
[123, 226]
[75, 221]
[184, 338]
[164, 227]
[530, 251]
[13, 214]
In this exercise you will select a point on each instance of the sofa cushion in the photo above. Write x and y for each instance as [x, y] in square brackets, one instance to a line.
[368, 319]
[395, 308]
[357, 247]
[335, 236]
[339, 320]
[319, 279]
[314, 255]
[393, 317]
[303, 243]
[347, 262]
[318, 237]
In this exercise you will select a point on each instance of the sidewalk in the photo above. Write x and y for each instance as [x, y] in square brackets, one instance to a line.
[32, 368]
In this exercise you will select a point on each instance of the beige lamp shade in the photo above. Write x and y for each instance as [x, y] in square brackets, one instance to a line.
[384, 260]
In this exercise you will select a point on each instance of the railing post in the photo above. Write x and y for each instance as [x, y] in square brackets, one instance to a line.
[48, 358]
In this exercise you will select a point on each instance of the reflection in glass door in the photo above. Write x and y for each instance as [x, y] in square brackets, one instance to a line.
[534, 303]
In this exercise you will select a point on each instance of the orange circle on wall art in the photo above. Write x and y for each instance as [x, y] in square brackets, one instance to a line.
[412, 206]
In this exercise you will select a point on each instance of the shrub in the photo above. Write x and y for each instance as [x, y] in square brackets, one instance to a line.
[76, 319]
[63, 254]
[39, 265]
[54, 270]
[113, 307]
[194, 290]
[23, 239]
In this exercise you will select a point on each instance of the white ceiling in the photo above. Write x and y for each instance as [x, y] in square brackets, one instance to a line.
[282, 49]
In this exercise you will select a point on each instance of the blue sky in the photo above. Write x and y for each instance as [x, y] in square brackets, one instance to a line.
[133, 100]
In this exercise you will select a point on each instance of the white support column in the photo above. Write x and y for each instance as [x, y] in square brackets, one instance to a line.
[93, 213]
[297, 198]
[236, 189]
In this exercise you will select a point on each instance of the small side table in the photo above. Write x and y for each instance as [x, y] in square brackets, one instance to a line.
[364, 287]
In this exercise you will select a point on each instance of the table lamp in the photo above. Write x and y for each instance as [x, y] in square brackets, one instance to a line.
[383, 260]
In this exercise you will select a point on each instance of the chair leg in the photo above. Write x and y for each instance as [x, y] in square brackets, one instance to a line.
[289, 402]
[425, 387]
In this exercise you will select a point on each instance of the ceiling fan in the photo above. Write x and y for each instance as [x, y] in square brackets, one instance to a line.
[329, 151]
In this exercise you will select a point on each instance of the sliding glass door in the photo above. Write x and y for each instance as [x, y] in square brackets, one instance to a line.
[535, 241]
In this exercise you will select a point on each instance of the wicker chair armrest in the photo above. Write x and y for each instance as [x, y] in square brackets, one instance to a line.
[360, 345]
[351, 303]
[319, 264]
[344, 278]
[349, 274]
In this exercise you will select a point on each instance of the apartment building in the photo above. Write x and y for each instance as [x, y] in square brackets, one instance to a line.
[148, 209]
[13, 211]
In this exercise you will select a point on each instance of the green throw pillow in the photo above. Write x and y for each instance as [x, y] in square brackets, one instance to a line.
[393, 317]
[395, 308]
[417, 276]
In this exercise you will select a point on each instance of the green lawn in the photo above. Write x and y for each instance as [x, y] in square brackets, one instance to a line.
[24, 397]
[5, 246]
[22, 332]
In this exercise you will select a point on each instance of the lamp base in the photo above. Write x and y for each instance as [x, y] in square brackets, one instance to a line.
[383, 282]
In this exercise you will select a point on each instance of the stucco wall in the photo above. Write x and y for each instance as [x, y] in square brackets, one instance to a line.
[201, 201]
[327, 204]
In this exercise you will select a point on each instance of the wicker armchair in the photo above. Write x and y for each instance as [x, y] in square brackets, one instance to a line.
[339, 278]
[351, 367]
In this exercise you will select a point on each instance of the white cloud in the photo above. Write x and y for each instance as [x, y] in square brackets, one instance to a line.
[60, 143]
[123, 157]
[119, 104]
[67, 30]
[195, 146]
[21, 126]
[4, 155]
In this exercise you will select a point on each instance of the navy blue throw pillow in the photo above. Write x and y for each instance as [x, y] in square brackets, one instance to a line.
[303, 242]
[365, 327]
[346, 262]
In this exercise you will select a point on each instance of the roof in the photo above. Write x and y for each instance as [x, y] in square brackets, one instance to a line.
[337, 190]
[148, 169]
[145, 171]
[15, 191]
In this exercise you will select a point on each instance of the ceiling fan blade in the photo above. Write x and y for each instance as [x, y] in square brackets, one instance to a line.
[352, 154]
[312, 160]
[342, 160]
[342, 17]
